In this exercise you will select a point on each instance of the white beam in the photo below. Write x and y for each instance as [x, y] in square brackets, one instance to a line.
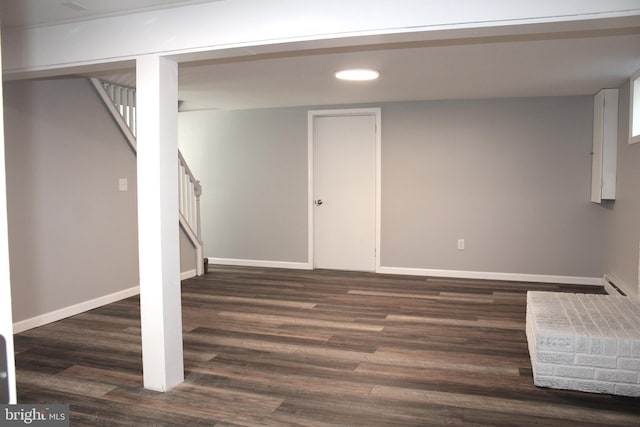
[220, 26]
[159, 246]
[6, 320]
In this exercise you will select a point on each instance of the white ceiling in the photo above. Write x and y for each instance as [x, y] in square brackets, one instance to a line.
[556, 64]
[501, 68]
[28, 13]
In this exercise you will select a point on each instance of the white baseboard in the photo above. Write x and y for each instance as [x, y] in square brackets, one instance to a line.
[261, 263]
[72, 310]
[459, 274]
[515, 277]
[188, 274]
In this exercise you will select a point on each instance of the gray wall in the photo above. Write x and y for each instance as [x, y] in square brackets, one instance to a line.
[72, 234]
[187, 253]
[623, 215]
[253, 169]
[511, 177]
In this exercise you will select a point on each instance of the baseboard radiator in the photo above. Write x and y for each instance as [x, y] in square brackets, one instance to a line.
[611, 287]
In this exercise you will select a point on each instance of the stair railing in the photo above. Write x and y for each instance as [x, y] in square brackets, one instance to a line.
[121, 103]
[189, 190]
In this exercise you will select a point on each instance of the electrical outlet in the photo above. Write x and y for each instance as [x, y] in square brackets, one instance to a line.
[461, 244]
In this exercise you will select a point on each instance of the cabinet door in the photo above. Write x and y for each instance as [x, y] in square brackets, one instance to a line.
[605, 145]
[596, 151]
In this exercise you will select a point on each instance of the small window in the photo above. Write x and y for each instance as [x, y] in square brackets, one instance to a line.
[634, 109]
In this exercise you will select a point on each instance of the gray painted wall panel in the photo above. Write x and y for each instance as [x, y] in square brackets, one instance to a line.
[253, 169]
[623, 215]
[187, 253]
[511, 177]
[72, 234]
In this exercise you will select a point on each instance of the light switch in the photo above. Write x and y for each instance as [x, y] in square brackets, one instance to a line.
[123, 184]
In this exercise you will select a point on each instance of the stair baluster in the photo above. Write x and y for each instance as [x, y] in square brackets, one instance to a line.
[121, 102]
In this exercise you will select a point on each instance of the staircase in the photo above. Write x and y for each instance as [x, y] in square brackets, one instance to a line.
[121, 102]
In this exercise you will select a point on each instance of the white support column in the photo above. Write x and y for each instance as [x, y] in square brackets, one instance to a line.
[159, 247]
[6, 318]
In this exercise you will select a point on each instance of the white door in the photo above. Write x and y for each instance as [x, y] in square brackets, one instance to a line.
[344, 180]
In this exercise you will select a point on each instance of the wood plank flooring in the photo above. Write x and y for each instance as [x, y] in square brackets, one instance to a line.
[269, 347]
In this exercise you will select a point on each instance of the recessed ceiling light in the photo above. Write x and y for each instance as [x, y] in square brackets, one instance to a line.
[359, 75]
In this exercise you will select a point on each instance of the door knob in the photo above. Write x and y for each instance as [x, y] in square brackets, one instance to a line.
[318, 202]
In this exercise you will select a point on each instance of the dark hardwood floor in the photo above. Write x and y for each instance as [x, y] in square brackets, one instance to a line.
[267, 347]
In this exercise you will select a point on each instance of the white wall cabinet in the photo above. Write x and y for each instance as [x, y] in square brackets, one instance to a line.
[605, 144]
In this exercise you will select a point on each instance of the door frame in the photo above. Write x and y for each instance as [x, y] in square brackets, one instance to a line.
[312, 115]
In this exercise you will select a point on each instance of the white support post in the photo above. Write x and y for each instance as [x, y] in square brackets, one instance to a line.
[159, 246]
[6, 320]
